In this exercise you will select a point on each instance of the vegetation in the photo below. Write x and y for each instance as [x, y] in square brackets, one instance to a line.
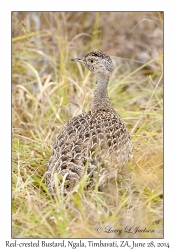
[48, 89]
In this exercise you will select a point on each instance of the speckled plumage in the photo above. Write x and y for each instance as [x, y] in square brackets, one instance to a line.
[96, 142]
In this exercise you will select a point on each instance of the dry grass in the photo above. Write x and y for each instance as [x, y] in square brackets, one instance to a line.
[48, 89]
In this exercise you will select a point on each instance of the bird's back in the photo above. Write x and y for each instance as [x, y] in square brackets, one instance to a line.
[95, 138]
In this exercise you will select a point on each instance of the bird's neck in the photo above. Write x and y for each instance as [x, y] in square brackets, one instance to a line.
[101, 99]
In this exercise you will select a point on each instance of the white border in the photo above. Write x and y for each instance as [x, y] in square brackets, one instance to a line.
[5, 95]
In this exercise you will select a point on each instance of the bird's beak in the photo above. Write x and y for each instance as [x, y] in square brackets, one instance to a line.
[77, 59]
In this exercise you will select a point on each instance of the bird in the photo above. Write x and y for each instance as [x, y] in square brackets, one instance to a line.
[94, 143]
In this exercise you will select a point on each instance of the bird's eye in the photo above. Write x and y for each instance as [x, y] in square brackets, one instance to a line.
[91, 61]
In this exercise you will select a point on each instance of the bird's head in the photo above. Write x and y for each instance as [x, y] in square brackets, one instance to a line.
[96, 61]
